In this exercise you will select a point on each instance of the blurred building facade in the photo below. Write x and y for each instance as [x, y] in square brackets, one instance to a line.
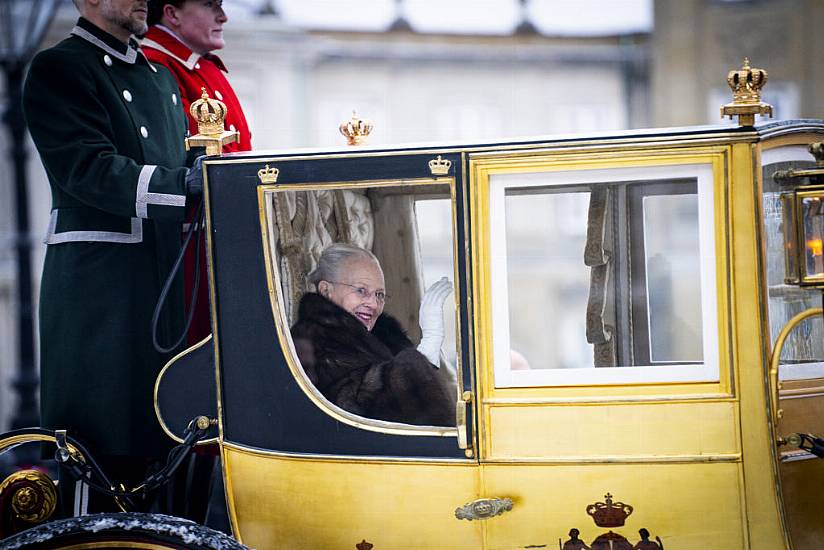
[298, 84]
[695, 43]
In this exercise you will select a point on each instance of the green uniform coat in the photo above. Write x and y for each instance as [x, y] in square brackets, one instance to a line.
[109, 129]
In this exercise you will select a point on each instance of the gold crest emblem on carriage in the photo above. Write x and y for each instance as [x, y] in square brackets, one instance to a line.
[610, 514]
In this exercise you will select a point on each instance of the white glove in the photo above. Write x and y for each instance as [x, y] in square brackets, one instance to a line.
[430, 318]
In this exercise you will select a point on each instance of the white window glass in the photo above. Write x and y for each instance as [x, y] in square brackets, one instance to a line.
[434, 219]
[603, 276]
[546, 274]
[673, 277]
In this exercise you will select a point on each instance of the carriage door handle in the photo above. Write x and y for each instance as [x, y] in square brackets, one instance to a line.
[484, 508]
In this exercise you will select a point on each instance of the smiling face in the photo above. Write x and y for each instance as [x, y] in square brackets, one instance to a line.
[199, 23]
[354, 289]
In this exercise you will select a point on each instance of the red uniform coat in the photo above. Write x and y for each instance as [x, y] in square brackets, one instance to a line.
[193, 72]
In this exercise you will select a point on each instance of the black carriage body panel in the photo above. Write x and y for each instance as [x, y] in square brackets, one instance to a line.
[262, 404]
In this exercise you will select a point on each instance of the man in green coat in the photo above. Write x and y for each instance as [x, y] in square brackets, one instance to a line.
[110, 130]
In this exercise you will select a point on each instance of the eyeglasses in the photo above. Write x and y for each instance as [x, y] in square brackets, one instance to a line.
[364, 293]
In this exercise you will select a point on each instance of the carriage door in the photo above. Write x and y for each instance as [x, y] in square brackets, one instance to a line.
[606, 404]
[800, 371]
[306, 465]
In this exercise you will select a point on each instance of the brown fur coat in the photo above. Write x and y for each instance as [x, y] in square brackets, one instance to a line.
[377, 374]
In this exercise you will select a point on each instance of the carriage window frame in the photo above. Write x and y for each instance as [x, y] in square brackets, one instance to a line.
[274, 283]
[708, 370]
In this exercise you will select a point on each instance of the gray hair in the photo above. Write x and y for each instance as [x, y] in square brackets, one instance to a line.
[332, 259]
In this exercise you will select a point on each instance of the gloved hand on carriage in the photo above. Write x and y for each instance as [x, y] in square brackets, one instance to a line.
[431, 320]
[194, 178]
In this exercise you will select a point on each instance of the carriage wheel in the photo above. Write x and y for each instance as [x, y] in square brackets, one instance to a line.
[122, 530]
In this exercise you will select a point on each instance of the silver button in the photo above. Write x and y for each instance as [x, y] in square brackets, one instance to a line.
[144, 132]
[197, 65]
[107, 60]
[218, 95]
[174, 99]
[232, 128]
[127, 95]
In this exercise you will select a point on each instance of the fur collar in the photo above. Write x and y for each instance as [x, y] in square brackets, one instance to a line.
[322, 311]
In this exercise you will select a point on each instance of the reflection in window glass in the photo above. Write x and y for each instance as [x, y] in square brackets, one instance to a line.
[603, 278]
[434, 218]
[547, 279]
[673, 277]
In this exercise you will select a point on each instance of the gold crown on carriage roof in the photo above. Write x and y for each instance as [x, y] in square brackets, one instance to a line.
[356, 129]
[268, 175]
[609, 514]
[209, 114]
[746, 83]
[440, 166]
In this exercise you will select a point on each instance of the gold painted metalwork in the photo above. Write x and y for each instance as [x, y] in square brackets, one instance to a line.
[817, 150]
[167, 366]
[106, 545]
[746, 84]
[483, 508]
[211, 133]
[460, 416]
[356, 130]
[482, 166]
[36, 500]
[268, 175]
[440, 166]
[351, 497]
[210, 262]
[14, 440]
[775, 358]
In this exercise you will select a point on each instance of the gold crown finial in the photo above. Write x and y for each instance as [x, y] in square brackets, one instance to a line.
[209, 114]
[440, 166]
[356, 129]
[746, 84]
[268, 175]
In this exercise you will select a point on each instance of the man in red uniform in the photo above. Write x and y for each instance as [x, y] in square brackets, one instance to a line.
[181, 37]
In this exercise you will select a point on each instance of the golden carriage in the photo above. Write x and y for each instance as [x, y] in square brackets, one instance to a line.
[621, 304]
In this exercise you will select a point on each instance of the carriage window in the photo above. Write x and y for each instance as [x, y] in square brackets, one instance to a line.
[355, 331]
[609, 278]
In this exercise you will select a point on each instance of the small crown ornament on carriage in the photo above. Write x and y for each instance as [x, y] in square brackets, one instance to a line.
[268, 175]
[356, 130]
[440, 166]
[210, 115]
[746, 84]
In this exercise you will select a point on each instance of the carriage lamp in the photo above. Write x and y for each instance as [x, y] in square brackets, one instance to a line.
[803, 218]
